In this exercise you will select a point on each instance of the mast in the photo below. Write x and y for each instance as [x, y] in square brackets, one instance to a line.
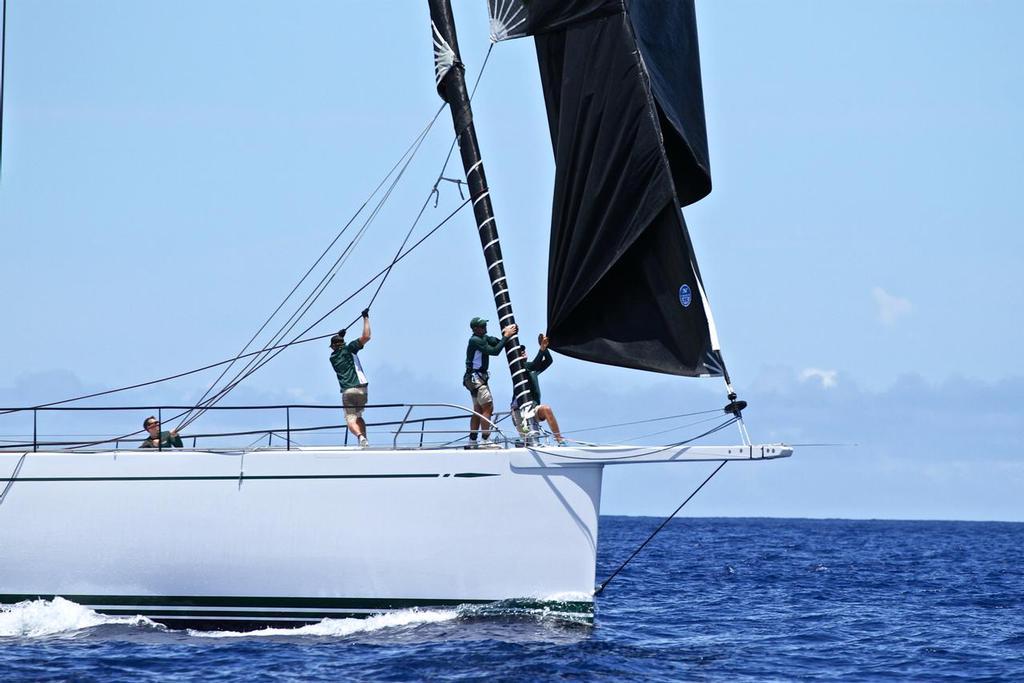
[451, 86]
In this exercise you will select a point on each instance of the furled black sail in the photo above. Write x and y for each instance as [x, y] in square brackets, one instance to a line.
[625, 108]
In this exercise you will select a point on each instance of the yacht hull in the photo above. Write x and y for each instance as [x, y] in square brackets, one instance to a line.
[274, 537]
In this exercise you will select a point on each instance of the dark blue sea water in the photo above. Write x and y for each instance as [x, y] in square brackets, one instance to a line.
[710, 599]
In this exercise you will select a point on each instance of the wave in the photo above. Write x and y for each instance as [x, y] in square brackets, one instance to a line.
[37, 618]
[40, 618]
[344, 627]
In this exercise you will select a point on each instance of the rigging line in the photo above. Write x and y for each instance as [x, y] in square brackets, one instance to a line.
[257, 361]
[600, 588]
[653, 451]
[328, 277]
[472, 93]
[239, 377]
[218, 364]
[674, 428]
[327, 249]
[314, 295]
[268, 358]
[440, 177]
[664, 431]
[637, 422]
[14, 475]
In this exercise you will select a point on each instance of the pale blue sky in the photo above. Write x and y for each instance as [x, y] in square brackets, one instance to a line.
[170, 169]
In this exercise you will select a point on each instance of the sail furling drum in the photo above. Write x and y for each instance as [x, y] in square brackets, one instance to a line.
[625, 107]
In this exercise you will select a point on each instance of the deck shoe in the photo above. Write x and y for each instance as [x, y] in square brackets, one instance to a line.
[363, 442]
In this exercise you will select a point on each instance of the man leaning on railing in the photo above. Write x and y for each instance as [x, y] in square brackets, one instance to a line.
[158, 439]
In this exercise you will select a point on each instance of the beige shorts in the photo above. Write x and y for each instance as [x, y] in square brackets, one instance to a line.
[480, 392]
[354, 400]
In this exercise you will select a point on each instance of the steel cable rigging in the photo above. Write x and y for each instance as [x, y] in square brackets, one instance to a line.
[255, 361]
[255, 364]
[409, 150]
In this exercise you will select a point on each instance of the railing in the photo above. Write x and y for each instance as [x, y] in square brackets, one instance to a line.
[404, 436]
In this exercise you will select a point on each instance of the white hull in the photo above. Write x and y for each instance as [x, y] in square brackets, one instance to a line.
[275, 536]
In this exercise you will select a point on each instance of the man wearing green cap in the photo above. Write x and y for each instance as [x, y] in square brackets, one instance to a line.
[478, 356]
[351, 378]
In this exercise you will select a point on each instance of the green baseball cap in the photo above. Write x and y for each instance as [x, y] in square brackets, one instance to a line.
[477, 322]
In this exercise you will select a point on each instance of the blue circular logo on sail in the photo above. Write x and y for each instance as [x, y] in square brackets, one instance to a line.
[685, 296]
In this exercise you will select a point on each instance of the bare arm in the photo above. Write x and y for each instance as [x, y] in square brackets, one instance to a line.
[366, 327]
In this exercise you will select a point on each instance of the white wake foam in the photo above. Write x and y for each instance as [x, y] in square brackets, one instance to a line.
[344, 627]
[34, 618]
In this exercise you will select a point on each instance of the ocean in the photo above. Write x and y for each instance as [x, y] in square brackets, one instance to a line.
[708, 599]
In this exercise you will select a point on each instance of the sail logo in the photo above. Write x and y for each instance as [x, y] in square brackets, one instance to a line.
[685, 296]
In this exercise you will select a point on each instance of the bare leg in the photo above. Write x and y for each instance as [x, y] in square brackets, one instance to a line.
[362, 426]
[353, 424]
[486, 410]
[474, 426]
[545, 413]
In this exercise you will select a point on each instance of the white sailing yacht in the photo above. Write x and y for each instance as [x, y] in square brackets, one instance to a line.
[289, 535]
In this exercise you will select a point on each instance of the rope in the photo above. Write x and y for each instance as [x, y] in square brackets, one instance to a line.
[638, 422]
[319, 320]
[409, 150]
[14, 475]
[256, 364]
[653, 451]
[325, 281]
[662, 431]
[277, 348]
[600, 588]
[434, 192]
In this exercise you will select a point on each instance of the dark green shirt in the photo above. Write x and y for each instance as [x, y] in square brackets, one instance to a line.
[165, 441]
[347, 367]
[480, 349]
[541, 362]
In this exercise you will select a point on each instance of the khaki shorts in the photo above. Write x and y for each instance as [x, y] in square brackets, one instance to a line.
[479, 390]
[354, 400]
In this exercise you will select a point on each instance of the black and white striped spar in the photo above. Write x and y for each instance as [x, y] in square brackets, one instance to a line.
[451, 86]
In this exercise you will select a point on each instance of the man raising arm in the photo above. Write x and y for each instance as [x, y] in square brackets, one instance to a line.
[478, 355]
[351, 379]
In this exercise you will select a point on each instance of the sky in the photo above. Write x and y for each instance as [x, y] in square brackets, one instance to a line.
[171, 169]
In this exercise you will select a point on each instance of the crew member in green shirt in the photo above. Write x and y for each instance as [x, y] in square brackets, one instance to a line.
[351, 378]
[478, 356]
[158, 439]
[541, 362]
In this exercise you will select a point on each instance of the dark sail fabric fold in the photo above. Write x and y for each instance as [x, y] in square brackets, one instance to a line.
[625, 109]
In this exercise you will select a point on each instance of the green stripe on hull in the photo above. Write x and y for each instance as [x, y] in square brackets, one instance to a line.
[214, 604]
[256, 477]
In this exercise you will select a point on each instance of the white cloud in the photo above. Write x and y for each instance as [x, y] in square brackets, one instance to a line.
[826, 377]
[890, 307]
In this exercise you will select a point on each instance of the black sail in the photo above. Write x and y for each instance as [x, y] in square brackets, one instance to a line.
[625, 108]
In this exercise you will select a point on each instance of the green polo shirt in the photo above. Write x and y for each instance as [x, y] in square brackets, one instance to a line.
[165, 441]
[541, 362]
[347, 366]
[480, 349]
